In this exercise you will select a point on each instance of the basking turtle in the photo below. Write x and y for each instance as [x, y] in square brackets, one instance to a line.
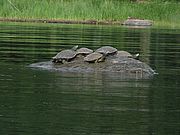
[126, 54]
[94, 57]
[84, 51]
[65, 55]
[123, 54]
[107, 50]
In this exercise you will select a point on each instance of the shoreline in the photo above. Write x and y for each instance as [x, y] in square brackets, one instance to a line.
[90, 22]
[62, 21]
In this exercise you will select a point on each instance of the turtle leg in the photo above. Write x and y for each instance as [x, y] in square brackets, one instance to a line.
[96, 61]
[64, 61]
[101, 59]
[58, 61]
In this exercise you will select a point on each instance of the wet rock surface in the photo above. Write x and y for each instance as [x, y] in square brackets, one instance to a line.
[124, 67]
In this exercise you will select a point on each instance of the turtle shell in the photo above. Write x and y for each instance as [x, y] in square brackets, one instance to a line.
[107, 50]
[123, 54]
[65, 55]
[84, 51]
[95, 56]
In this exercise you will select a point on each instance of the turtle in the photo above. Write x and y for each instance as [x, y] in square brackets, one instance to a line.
[107, 50]
[123, 54]
[65, 55]
[126, 54]
[94, 57]
[84, 51]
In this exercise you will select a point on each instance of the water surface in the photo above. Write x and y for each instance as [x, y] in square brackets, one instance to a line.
[39, 102]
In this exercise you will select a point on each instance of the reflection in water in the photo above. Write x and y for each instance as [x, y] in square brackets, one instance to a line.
[41, 102]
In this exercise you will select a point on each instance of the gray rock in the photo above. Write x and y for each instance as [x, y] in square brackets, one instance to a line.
[137, 22]
[125, 67]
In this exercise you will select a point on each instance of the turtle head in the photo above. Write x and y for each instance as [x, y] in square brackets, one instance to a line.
[54, 59]
[136, 56]
[104, 56]
[75, 48]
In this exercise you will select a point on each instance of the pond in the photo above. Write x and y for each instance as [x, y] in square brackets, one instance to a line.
[41, 102]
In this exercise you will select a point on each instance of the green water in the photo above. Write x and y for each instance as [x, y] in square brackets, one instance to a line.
[40, 102]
